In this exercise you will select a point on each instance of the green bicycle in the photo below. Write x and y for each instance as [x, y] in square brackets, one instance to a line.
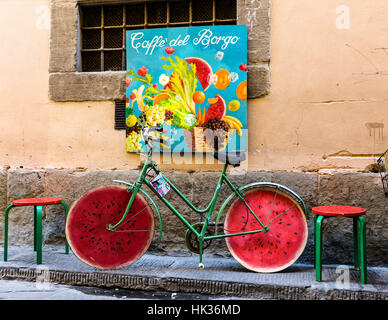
[264, 224]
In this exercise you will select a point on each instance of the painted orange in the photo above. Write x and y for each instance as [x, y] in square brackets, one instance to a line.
[198, 97]
[212, 100]
[223, 79]
[241, 90]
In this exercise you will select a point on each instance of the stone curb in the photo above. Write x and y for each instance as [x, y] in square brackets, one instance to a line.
[172, 284]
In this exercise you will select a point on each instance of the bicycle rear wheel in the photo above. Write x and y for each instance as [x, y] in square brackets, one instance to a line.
[93, 243]
[275, 249]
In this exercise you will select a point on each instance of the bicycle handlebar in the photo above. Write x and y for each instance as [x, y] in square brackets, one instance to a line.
[155, 128]
[148, 139]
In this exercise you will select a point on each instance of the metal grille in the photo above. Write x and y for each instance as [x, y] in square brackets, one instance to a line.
[225, 9]
[91, 61]
[382, 163]
[103, 26]
[112, 60]
[113, 15]
[120, 115]
[202, 10]
[180, 11]
[157, 13]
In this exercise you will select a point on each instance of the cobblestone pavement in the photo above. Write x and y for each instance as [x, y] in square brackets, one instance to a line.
[26, 290]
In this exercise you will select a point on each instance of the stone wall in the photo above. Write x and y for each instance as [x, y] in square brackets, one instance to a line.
[359, 189]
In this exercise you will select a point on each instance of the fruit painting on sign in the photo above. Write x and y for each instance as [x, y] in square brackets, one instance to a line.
[193, 82]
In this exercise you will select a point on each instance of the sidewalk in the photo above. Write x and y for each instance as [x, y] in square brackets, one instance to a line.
[221, 276]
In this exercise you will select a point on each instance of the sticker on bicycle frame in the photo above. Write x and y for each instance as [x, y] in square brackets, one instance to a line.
[160, 185]
[193, 82]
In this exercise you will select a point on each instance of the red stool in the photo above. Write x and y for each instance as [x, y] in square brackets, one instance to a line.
[38, 204]
[359, 235]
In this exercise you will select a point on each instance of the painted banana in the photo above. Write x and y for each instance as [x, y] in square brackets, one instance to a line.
[234, 120]
[230, 124]
[234, 123]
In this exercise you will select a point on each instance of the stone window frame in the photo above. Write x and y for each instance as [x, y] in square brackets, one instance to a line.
[67, 84]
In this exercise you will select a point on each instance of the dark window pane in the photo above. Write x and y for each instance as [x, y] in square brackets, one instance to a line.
[155, 27]
[225, 9]
[91, 16]
[113, 38]
[225, 22]
[202, 10]
[91, 61]
[157, 12]
[113, 15]
[133, 28]
[134, 14]
[198, 23]
[113, 60]
[179, 11]
[181, 25]
[91, 39]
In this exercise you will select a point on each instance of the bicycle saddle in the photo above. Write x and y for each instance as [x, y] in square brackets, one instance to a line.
[232, 158]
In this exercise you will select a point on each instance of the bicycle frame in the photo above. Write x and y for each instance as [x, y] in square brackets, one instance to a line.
[209, 209]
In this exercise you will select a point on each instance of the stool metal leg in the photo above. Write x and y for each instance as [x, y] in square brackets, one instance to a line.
[35, 228]
[39, 213]
[363, 261]
[6, 231]
[356, 241]
[315, 236]
[66, 212]
[318, 247]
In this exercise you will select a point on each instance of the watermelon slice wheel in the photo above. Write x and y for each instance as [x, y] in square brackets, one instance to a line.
[87, 228]
[267, 251]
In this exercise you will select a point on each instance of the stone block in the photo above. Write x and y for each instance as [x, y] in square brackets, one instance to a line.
[23, 183]
[93, 86]
[258, 80]
[255, 14]
[63, 36]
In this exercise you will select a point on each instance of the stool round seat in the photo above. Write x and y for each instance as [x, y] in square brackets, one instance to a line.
[38, 204]
[339, 211]
[36, 201]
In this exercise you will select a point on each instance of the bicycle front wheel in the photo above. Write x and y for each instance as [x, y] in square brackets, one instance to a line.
[87, 228]
[272, 250]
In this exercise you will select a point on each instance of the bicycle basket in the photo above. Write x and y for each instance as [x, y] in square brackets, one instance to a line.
[382, 163]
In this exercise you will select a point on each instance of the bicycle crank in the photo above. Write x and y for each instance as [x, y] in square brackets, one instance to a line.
[192, 242]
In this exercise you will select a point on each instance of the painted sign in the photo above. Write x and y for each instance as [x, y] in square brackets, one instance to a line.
[191, 80]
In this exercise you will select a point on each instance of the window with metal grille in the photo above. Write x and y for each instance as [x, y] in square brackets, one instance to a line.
[103, 26]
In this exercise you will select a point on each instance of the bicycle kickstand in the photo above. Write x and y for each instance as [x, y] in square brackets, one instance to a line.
[200, 265]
